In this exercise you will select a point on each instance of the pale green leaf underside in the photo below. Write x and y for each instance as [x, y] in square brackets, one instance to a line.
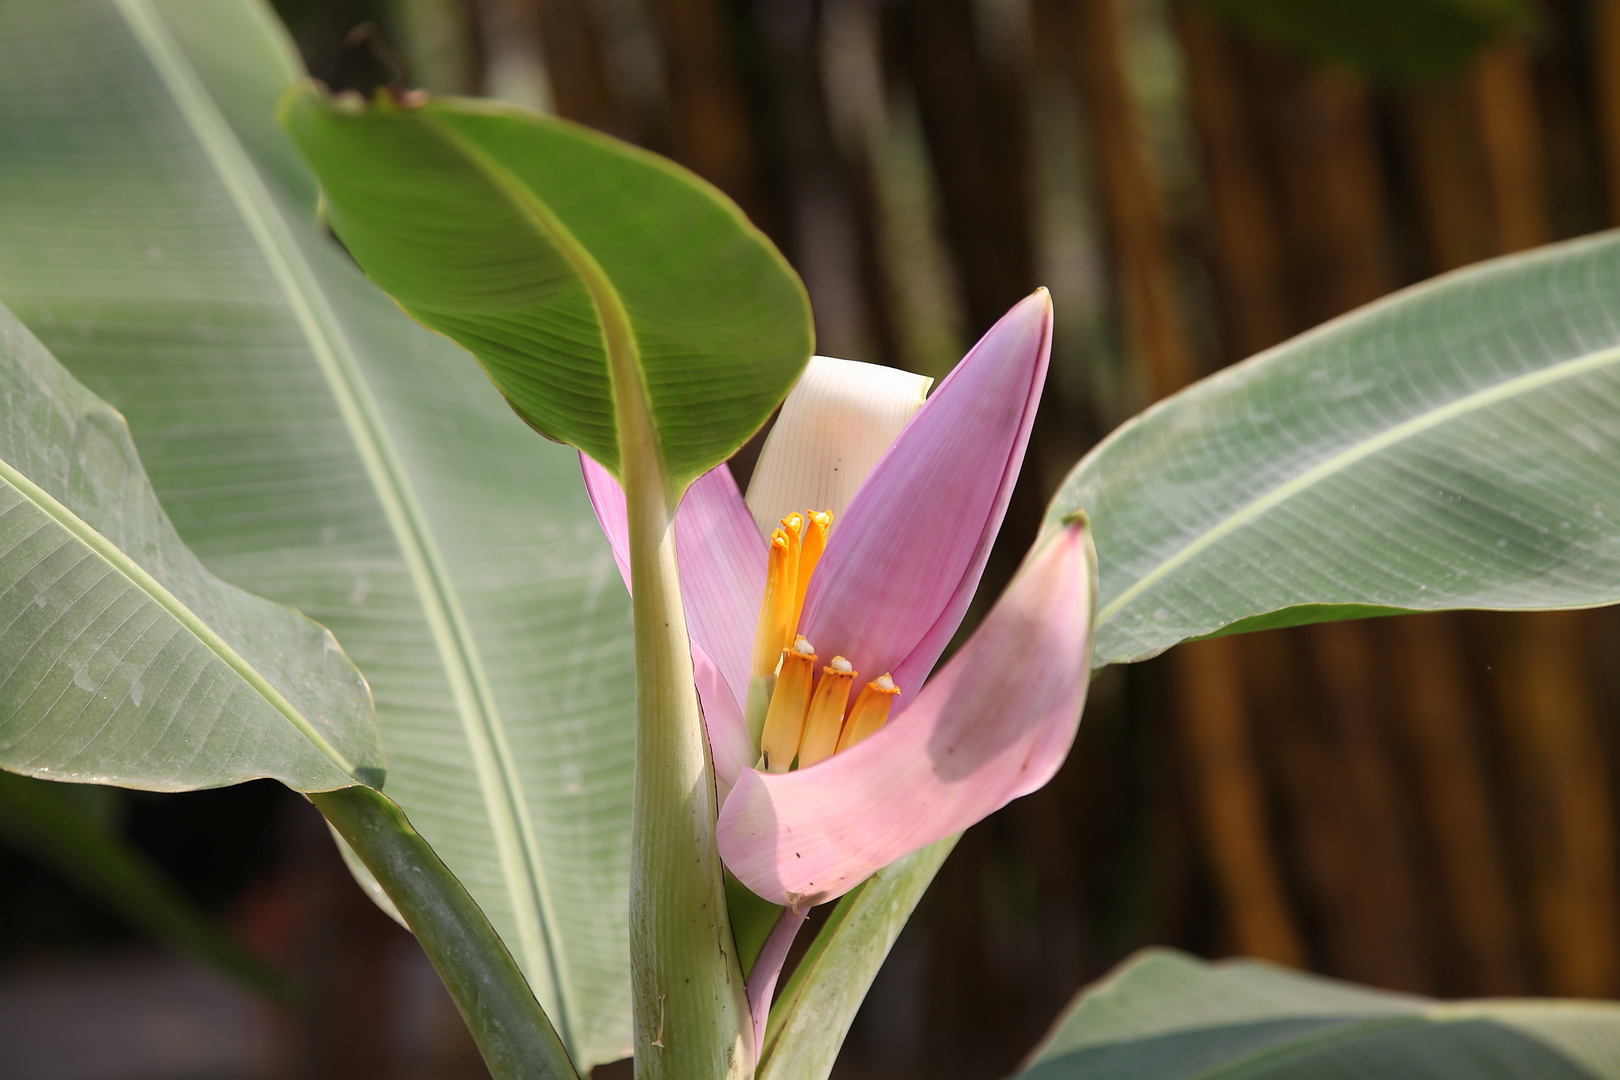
[122, 660]
[529, 240]
[314, 445]
[1452, 446]
[1166, 1016]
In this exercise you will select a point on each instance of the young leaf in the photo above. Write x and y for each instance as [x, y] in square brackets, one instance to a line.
[586, 276]
[1452, 446]
[122, 660]
[1166, 1016]
[316, 446]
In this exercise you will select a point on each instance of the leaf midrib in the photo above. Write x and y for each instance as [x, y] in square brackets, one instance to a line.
[1337, 463]
[619, 344]
[504, 800]
[136, 575]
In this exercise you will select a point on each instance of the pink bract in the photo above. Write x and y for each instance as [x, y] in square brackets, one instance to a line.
[900, 568]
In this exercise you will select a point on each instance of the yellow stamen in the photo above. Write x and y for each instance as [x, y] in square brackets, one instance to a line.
[784, 722]
[825, 721]
[870, 711]
[776, 619]
[793, 528]
[817, 522]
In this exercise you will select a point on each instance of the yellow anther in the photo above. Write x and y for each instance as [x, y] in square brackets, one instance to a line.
[793, 529]
[870, 711]
[784, 722]
[817, 522]
[825, 721]
[776, 617]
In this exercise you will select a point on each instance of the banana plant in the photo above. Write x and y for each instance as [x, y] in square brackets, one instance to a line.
[606, 812]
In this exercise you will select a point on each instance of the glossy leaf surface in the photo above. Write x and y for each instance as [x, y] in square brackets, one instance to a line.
[124, 661]
[314, 445]
[1451, 446]
[1166, 1016]
[546, 248]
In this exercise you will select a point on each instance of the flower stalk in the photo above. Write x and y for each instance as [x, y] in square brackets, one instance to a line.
[689, 1012]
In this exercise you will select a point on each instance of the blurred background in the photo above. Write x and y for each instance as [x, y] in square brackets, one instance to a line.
[1424, 803]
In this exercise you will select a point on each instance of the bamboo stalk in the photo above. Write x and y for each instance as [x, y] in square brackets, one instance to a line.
[973, 121]
[1442, 137]
[576, 64]
[1440, 728]
[1320, 125]
[1317, 830]
[1132, 200]
[1212, 712]
[1606, 69]
[1215, 726]
[1563, 782]
[1506, 100]
[1391, 942]
[1247, 251]
[709, 120]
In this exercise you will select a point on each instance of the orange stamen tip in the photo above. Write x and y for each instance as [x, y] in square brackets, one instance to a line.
[839, 666]
[802, 647]
[884, 684]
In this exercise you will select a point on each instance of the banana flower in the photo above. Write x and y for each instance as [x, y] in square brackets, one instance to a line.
[844, 575]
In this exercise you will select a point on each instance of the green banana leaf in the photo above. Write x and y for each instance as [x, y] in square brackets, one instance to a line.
[124, 661]
[64, 827]
[1451, 446]
[316, 446]
[598, 284]
[1166, 1016]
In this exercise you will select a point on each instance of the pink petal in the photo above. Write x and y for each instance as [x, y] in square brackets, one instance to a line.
[721, 558]
[994, 724]
[768, 968]
[731, 748]
[902, 565]
[607, 499]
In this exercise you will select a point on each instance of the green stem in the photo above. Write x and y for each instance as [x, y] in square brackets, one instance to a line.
[512, 1032]
[691, 1016]
[814, 1010]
